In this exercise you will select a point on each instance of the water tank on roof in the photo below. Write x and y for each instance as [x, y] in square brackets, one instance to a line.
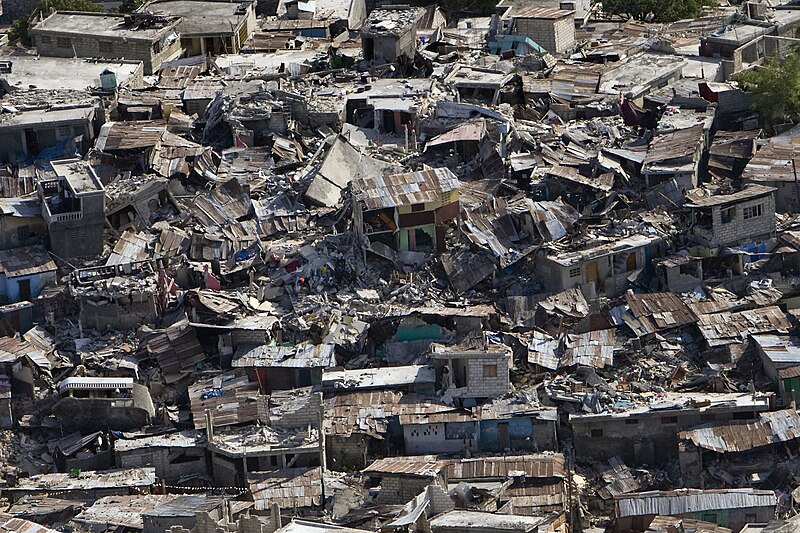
[108, 80]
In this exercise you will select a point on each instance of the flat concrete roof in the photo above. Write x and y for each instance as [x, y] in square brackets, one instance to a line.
[201, 17]
[100, 25]
[64, 72]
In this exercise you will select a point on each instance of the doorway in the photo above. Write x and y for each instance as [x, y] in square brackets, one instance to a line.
[502, 436]
[24, 289]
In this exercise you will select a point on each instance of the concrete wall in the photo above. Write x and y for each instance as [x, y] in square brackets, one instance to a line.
[555, 36]
[346, 453]
[119, 314]
[739, 231]
[51, 42]
[37, 282]
[399, 490]
[453, 437]
[482, 386]
[525, 435]
[639, 440]
[171, 464]
[10, 234]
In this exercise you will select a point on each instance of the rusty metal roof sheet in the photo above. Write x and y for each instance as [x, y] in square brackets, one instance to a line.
[424, 186]
[19, 525]
[231, 400]
[297, 356]
[288, 487]
[657, 311]
[417, 466]
[121, 511]
[110, 479]
[684, 501]
[748, 193]
[727, 328]
[594, 348]
[369, 411]
[740, 436]
[775, 161]
[542, 465]
[26, 261]
[536, 12]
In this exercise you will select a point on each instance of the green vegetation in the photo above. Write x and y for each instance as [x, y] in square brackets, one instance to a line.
[656, 10]
[776, 88]
[19, 28]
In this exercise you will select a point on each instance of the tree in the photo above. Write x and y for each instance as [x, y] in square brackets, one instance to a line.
[19, 28]
[776, 88]
[655, 10]
[129, 6]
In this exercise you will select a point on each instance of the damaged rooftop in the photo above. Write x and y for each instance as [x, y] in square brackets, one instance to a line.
[339, 266]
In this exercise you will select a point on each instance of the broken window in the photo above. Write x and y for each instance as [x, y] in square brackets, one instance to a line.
[669, 420]
[753, 211]
[597, 433]
[575, 272]
[490, 371]
[728, 215]
[416, 208]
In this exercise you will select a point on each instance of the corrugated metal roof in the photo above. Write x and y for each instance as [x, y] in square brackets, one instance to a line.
[26, 261]
[19, 525]
[739, 436]
[230, 399]
[594, 348]
[657, 311]
[121, 511]
[691, 501]
[543, 465]
[131, 477]
[417, 466]
[536, 12]
[424, 186]
[748, 193]
[288, 487]
[727, 328]
[297, 356]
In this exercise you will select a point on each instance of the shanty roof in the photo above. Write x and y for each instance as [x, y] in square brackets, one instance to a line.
[424, 186]
[373, 378]
[110, 479]
[19, 525]
[417, 466]
[651, 312]
[240, 441]
[230, 399]
[189, 438]
[468, 131]
[777, 160]
[672, 403]
[782, 350]
[391, 20]
[536, 12]
[186, 505]
[26, 261]
[288, 487]
[482, 521]
[669, 524]
[740, 436]
[540, 465]
[369, 412]
[121, 511]
[297, 356]
[748, 193]
[133, 135]
[13, 349]
[719, 329]
[304, 526]
[684, 501]
[593, 348]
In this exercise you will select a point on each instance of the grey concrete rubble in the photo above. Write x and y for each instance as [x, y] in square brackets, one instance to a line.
[338, 266]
